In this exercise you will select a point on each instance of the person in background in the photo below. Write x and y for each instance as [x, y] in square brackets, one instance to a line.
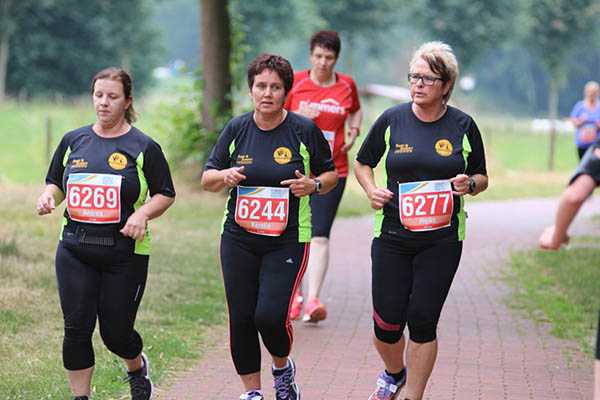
[105, 172]
[585, 116]
[270, 161]
[330, 99]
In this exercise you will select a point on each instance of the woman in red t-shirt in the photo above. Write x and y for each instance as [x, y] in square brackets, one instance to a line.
[330, 99]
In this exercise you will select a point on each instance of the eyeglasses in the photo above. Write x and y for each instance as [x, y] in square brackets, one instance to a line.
[413, 79]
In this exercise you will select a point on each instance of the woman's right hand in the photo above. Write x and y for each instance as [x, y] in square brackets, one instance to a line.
[379, 197]
[233, 176]
[45, 203]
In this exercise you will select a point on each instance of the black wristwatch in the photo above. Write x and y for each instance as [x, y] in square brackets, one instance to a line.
[472, 184]
[317, 185]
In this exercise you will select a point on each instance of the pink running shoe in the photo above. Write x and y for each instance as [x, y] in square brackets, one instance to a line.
[314, 311]
[296, 308]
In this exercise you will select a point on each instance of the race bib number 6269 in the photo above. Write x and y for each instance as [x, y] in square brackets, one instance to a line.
[94, 198]
[426, 205]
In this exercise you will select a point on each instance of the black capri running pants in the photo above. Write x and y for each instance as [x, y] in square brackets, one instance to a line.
[260, 276]
[410, 283]
[589, 165]
[324, 207]
[92, 284]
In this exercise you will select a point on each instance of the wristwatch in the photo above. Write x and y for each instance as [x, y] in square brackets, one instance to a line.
[317, 185]
[472, 184]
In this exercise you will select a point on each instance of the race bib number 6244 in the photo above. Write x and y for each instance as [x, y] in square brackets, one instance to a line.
[425, 206]
[262, 210]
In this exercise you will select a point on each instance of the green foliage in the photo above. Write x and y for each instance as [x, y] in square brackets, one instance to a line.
[58, 45]
[471, 28]
[555, 26]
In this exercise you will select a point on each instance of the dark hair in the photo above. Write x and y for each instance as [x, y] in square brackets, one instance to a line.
[326, 39]
[275, 63]
[119, 74]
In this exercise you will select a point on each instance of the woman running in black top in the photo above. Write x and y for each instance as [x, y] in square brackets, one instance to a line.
[105, 172]
[270, 160]
[433, 155]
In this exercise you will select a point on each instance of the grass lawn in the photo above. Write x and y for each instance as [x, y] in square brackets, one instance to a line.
[561, 288]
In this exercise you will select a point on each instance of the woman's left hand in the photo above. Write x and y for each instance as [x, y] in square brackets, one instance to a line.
[460, 184]
[301, 186]
[136, 225]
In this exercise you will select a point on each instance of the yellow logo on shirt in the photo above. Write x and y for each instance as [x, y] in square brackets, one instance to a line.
[244, 159]
[282, 155]
[117, 161]
[443, 147]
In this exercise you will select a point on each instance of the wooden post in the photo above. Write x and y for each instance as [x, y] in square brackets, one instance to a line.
[48, 139]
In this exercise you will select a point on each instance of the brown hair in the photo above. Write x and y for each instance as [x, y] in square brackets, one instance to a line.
[119, 74]
[275, 63]
[328, 40]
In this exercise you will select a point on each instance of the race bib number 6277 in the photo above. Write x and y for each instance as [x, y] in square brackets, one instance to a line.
[426, 205]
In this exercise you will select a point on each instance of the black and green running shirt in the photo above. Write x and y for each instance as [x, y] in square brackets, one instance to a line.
[269, 157]
[417, 151]
[94, 167]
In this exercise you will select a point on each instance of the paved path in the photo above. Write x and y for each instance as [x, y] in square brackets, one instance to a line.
[487, 351]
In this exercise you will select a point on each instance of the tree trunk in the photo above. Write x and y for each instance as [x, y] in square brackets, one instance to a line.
[3, 65]
[552, 115]
[216, 72]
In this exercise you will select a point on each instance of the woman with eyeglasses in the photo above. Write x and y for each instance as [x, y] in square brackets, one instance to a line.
[432, 157]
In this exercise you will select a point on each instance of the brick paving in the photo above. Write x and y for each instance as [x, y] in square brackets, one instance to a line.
[487, 350]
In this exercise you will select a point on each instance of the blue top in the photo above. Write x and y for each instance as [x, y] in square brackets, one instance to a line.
[587, 133]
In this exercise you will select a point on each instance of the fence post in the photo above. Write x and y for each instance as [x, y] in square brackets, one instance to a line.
[48, 138]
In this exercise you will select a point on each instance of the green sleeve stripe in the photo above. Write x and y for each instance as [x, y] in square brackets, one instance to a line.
[226, 212]
[379, 213]
[66, 156]
[62, 227]
[462, 215]
[231, 147]
[304, 212]
[142, 246]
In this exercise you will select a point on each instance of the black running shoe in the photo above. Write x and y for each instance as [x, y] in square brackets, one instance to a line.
[285, 385]
[139, 381]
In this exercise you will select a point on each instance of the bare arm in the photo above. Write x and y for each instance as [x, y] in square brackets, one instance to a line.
[214, 180]
[302, 185]
[461, 184]
[49, 199]
[365, 176]
[354, 120]
[137, 223]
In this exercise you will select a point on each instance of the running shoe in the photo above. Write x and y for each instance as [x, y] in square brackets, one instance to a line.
[296, 308]
[314, 311]
[252, 395]
[285, 385]
[387, 387]
[139, 381]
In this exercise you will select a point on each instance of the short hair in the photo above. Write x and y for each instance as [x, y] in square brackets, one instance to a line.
[120, 75]
[275, 63]
[591, 85]
[328, 40]
[441, 60]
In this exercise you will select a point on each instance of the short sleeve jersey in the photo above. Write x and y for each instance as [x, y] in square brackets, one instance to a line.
[334, 103]
[269, 157]
[588, 132]
[134, 156]
[415, 151]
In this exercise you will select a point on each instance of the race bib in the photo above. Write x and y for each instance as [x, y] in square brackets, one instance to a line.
[330, 137]
[588, 133]
[94, 198]
[426, 205]
[262, 210]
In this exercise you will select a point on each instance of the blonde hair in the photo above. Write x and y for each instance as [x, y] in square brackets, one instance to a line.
[591, 85]
[441, 60]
